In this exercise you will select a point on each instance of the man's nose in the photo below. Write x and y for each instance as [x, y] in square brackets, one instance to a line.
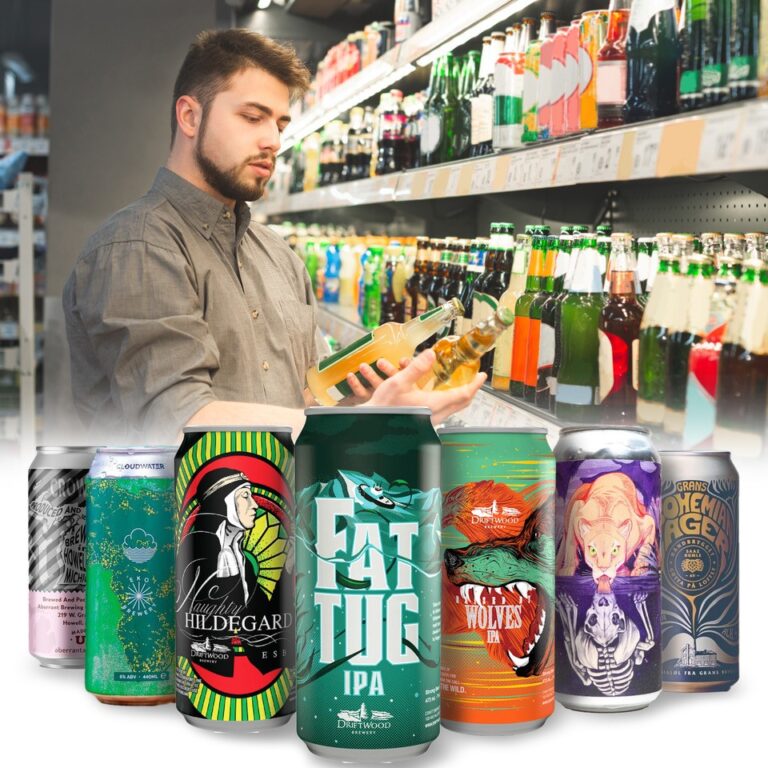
[270, 139]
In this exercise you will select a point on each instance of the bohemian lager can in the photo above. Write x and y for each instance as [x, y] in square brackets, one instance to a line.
[57, 555]
[700, 605]
[497, 665]
[607, 639]
[368, 583]
[129, 576]
[234, 578]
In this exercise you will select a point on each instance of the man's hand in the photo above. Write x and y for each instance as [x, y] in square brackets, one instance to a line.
[360, 392]
[400, 388]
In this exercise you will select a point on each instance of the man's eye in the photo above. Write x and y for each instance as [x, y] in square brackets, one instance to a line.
[251, 118]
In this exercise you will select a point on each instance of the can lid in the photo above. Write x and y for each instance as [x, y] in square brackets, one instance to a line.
[698, 454]
[366, 410]
[492, 430]
[604, 428]
[67, 448]
[239, 428]
[139, 449]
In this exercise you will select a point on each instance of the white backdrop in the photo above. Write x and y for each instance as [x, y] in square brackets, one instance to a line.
[49, 719]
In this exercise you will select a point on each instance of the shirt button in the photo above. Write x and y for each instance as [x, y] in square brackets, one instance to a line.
[227, 215]
[205, 226]
[265, 365]
[255, 314]
[239, 264]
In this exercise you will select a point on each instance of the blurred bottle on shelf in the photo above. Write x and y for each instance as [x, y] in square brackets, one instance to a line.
[612, 67]
[531, 78]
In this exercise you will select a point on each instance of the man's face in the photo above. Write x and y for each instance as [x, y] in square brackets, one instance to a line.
[246, 507]
[240, 134]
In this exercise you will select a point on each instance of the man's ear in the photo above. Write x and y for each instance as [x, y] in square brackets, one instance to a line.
[189, 116]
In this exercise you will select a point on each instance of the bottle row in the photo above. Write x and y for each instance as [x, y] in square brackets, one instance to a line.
[26, 117]
[381, 587]
[632, 62]
[669, 331]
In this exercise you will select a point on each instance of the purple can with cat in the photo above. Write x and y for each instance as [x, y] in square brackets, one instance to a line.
[608, 582]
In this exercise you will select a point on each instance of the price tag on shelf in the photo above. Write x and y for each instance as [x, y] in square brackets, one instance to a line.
[404, 187]
[718, 142]
[645, 153]
[482, 177]
[515, 172]
[452, 185]
[751, 152]
[429, 183]
[600, 156]
[541, 170]
[568, 164]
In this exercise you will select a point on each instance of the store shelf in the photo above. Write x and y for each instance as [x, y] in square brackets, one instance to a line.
[33, 147]
[467, 20]
[9, 238]
[723, 140]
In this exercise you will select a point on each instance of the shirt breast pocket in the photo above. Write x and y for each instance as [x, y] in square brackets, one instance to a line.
[300, 322]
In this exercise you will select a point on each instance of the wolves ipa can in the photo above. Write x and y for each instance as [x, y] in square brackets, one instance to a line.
[57, 555]
[497, 664]
[129, 557]
[700, 597]
[368, 583]
[607, 639]
[234, 578]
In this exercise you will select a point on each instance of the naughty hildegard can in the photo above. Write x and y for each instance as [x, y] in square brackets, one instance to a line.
[57, 555]
[368, 583]
[234, 578]
[129, 557]
[497, 664]
[607, 640]
[700, 578]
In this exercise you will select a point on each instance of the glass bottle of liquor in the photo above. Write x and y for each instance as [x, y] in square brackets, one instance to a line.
[704, 359]
[531, 78]
[619, 330]
[578, 377]
[372, 279]
[475, 270]
[541, 347]
[604, 249]
[494, 290]
[644, 258]
[742, 390]
[716, 52]
[502, 356]
[459, 357]
[481, 135]
[664, 313]
[507, 104]
[736, 246]
[440, 274]
[696, 295]
[446, 152]
[743, 81]
[432, 131]
[413, 296]
[612, 67]
[521, 331]
[467, 84]
[392, 341]
[478, 295]
[653, 56]
[693, 20]
[388, 312]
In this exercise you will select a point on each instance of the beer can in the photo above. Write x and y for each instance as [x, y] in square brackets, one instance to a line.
[368, 583]
[557, 91]
[700, 578]
[234, 577]
[129, 575]
[497, 663]
[56, 483]
[572, 97]
[608, 588]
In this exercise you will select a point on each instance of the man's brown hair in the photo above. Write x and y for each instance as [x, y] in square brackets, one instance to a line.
[216, 55]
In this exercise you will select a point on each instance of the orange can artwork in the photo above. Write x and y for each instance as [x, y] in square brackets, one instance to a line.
[497, 656]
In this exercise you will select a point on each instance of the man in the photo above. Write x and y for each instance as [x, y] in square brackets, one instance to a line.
[180, 311]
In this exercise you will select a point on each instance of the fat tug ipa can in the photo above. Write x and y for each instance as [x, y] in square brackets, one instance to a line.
[57, 555]
[129, 577]
[368, 583]
[700, 580]
[608, 638]
[234, 578]
[497, 663]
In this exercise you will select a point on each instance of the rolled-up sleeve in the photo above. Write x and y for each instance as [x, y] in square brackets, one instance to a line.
[141, 310]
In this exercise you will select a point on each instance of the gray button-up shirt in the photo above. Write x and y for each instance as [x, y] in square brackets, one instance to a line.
[178, 301]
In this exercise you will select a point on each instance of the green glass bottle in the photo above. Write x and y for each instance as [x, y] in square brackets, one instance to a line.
[464, 116]
[743, 81]
[432, 132]
[446, 151]
[693, 19]
[662, 313]
[717, 52]
[578, 378]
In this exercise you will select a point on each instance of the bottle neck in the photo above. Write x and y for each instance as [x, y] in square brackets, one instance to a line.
[420, 328]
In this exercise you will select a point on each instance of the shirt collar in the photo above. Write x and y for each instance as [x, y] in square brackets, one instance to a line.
[199, 208]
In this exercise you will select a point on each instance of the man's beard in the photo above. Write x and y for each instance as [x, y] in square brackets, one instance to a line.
[227, 182]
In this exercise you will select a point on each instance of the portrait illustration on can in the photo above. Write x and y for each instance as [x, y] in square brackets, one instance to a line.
[608, 580]
[234, 579]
